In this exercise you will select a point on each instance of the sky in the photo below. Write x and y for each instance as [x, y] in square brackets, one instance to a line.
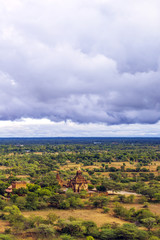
[79, 68]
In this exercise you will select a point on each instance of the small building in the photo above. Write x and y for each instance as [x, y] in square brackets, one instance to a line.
[19, 184]
[16, 185]
[78, 183]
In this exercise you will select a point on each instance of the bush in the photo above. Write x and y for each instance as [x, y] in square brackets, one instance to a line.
[74, 228]
[45, 232]
[91, 228]
[64, 204]
[21, 202]
[142, 200]
[107, 234]
[52, 218]
[89, 238]
[120, 211]
[131, 232]
[143, 213]
[105, 209]
[2, 204]
[146, 205]
[66, 237]
[101, 188]
[90, 186]
[5, 237]
[99, 201]
[154, 238]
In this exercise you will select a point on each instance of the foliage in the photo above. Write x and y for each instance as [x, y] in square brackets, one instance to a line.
[6, 237]
[100, 201]
[149, 222]
[66, 237]
[135, 216]
[133, 172]
[89, 238]
[45, 231]
[74, 228]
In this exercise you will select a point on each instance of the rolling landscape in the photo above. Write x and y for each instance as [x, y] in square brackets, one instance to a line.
[80, 188]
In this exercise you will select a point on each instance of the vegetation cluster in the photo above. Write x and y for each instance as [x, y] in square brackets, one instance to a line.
[109, 168]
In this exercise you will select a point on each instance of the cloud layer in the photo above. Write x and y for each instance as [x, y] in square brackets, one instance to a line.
[90, 62]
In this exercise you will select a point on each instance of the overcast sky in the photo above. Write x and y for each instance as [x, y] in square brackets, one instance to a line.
[79, 68]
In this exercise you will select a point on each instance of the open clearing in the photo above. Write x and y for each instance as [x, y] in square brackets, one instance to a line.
[4, 167]
[3, 226]
[95, 215]
[152, 167]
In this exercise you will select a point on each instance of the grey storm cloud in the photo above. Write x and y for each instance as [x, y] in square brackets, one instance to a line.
[88, 61]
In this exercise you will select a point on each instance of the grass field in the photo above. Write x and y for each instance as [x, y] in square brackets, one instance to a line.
[95, 215]
[152, 167]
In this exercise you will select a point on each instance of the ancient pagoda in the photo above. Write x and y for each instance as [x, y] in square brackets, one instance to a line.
[78, 183]
[59, 180]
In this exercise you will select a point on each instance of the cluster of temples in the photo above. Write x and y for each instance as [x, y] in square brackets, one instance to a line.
[77, 183]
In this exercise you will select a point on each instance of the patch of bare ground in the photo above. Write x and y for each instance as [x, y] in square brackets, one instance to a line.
[4, 167]
[23, 176]
[38, 153]
[3, 226]
[95, 215]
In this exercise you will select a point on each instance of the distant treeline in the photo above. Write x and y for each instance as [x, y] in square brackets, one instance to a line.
[80, 140]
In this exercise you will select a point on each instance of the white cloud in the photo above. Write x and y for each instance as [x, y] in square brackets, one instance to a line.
[45, 128]
[88, 62]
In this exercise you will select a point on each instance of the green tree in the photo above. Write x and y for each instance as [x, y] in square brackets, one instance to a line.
[32, 201]
[149, 222]
[66, 237]
[89, 238]
[100, 202]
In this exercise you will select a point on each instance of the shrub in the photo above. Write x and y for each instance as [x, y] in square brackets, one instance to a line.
[146, 205]
[108, 234]
[5, 237]
[2, 204]
[51, 218]
[74, 228]
[91, 228]
[90, 186]
[89, 238]
[45, 231]
[66, 237]
[131, 232]
[142, 200]
[105, 209]
[64, 204]
[21, 202]
[99, 201]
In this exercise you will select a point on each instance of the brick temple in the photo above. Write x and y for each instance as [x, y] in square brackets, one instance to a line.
[77, 183]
